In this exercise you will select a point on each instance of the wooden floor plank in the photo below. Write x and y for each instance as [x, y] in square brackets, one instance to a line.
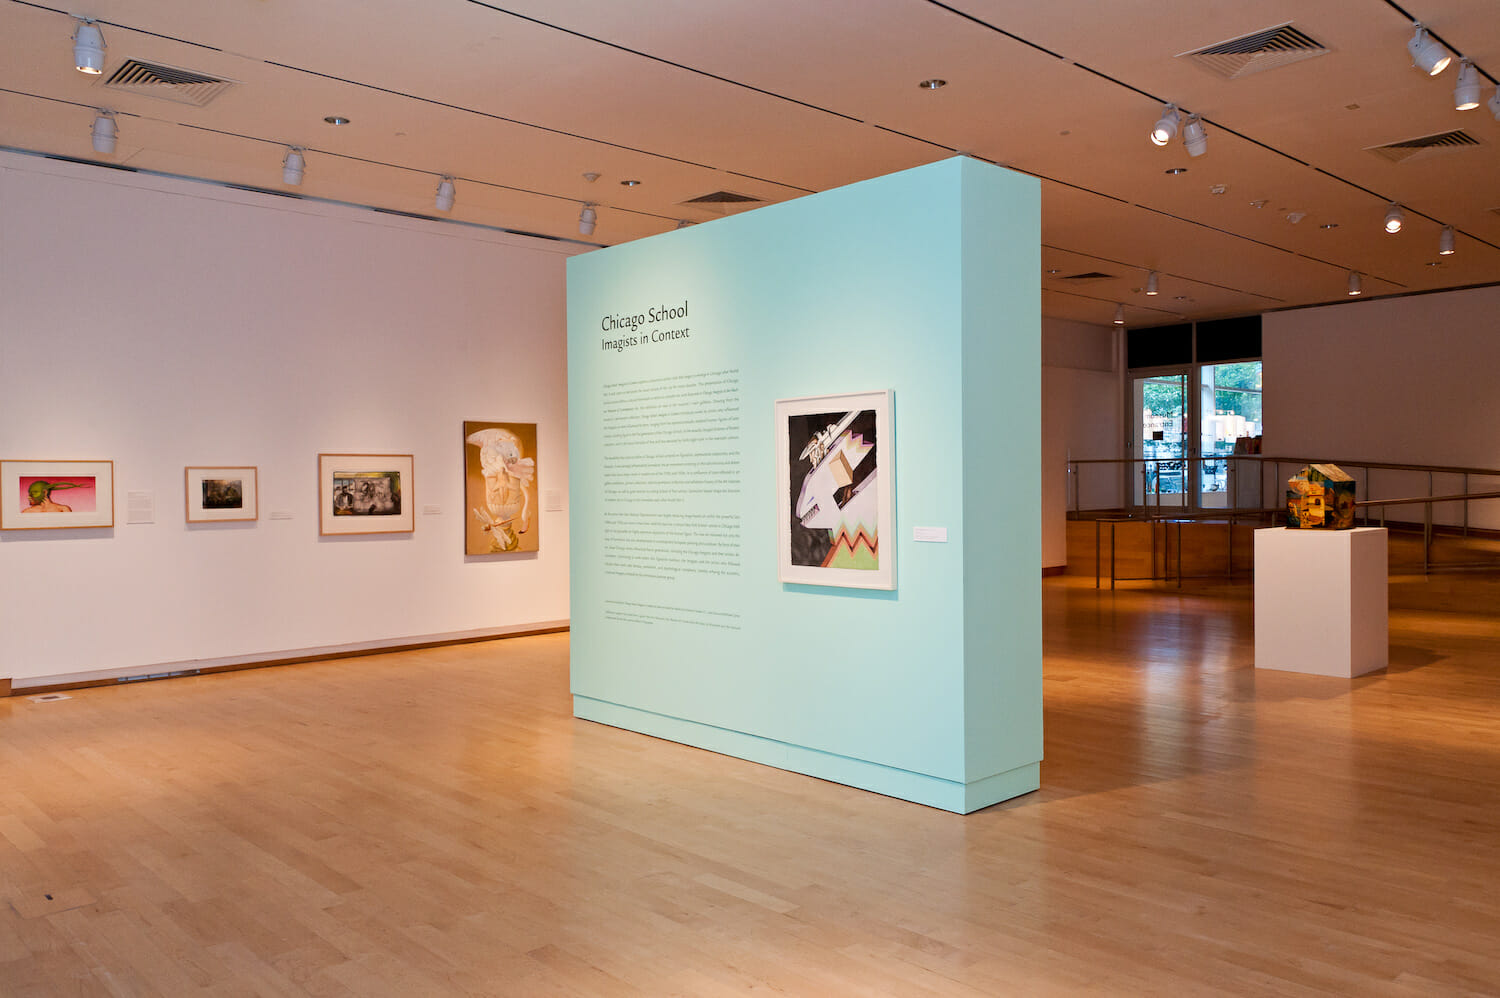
[436, 823]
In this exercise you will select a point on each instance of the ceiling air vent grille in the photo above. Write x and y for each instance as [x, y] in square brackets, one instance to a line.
[1092, 275]
[720, 202]
[1256, 53]
[1400, 152]
[167, 82]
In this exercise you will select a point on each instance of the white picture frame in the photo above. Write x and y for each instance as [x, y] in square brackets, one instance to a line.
[221, 494]
[47, 495]
[835, 465]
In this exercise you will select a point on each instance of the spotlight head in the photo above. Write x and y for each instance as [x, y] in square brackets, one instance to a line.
[586, 220]
[1494, 104]
[292, 167]
[1466, 91]
[1445, 242]
[88, 48]
[1151, 283]
[1119, 315]
[1394, 218]
[1165, 129]
[444, 198]
[1426, 54]
[1195, 137]
[1355, 289]
[105, 133]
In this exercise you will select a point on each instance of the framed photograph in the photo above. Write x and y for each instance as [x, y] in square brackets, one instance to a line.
[835, 465]
[44, 495]
[500, 488]
[218, 494]
[365, 494]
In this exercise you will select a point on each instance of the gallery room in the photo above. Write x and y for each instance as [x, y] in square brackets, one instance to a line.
[689, 499]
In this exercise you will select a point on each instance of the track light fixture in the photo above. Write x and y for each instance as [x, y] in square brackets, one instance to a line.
[1119, 315]
[293, 167]
[1445, 242]
[1195, 137]
[1151, 279]
[444, 198]
[105, 133]
[1466, 91]
[1394, 219]
[1355, 289]
[88, 48]
[1165, 129]
[586, 220]
[1427, 54]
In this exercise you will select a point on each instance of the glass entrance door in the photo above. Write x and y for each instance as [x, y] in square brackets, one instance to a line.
[1229, 402]
[1161, 420]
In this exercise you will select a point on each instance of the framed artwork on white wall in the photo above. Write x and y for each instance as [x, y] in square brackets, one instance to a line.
[220, 494]
[500, 488]
[45, 495]
[365, 494]
[834, 460]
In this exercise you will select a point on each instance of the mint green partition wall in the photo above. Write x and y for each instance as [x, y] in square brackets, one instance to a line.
[926, 283]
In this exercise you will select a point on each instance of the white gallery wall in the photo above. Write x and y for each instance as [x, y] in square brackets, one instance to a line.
[162, 323]
[1400, 380]
[1082, 417]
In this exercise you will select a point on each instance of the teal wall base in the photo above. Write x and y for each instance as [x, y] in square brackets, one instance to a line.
[943, 794]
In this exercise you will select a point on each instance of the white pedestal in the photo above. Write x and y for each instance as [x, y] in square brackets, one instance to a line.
[1321, 601]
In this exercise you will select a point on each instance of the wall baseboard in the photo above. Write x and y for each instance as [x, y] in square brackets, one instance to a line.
[208, 667]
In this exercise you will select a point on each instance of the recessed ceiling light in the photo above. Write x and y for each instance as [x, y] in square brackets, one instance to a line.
[1351, 107]
[336, 119]
[630, 183]
[1329, 225]
[1295, 216]
[1260, 203]
[933, 84]
[1054, 270]
[1175, 171]
[1218, 189]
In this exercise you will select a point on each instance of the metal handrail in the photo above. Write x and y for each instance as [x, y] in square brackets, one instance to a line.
[1154, 516]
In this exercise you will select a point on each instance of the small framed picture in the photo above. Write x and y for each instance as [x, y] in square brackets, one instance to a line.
[835, 465]
[217, 494]
[44, 495]
[365, 494]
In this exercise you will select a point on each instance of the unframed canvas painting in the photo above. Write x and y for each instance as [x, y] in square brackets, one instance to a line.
[500, 487]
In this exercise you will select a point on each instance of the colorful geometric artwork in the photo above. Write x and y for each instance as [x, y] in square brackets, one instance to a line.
[835, 490]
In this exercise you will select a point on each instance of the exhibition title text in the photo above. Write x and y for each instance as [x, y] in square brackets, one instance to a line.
[633, 330]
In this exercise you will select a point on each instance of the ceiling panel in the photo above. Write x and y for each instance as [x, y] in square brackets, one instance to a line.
[778, 98]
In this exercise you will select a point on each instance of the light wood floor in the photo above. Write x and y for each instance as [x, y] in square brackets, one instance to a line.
[435, 823]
